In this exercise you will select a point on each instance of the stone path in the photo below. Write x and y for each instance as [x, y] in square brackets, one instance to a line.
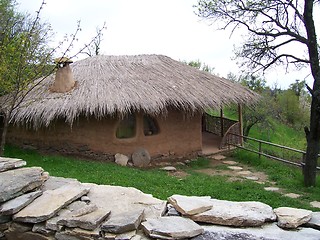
[65, 209]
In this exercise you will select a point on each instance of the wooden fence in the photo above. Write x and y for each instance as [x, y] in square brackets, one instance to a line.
[261, 152]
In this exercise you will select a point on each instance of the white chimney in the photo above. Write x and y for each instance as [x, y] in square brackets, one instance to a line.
[64, 81]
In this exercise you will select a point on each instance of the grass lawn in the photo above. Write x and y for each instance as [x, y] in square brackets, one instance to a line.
[162, 185]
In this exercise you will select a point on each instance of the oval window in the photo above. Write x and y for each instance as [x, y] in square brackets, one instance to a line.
[127, 127]
[150, 126]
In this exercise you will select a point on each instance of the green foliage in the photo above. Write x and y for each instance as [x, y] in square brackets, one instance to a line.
[199, 65]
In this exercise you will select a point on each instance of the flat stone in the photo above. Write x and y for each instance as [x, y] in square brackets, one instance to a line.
[235, 168]
[79, 234]
[124, 199]
[16, 182]
[171, 228]
[121, 159]
[10, 163]
[253, 178]
[244, 172]
[125, 222]
[141, 158]
[41, 228]
[315, 204]
[190, 205]
[218, 157]
[49, 203]
[265, 232]
[292, 195]
[76, 208]
[230, 162]
[237, 214]
[171, 211]
[15, 205]
[314, 222]
[169, 169]
[4, 226]
[53, 183]
[5, 219]
[290, 218]
[89, 221]
[272, 189]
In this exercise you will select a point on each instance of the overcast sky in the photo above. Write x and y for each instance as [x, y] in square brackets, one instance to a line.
[168, 27]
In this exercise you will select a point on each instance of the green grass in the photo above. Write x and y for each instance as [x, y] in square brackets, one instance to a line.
[158, 182]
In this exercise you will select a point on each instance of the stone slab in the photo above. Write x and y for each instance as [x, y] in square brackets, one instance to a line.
[272, 189]
[124, 199]
[50, 202]
[237, 214]
[219, 157]
[230, 162]
[190, 205]
[53, 183]
[16, 182]
[253, 178]
[292, 195]
[266, 232]
[171, 228]
[235, 168]
[10, 163]
[291, 218]
[169, 169]
[89, 221]
[315, 204]
[314, 222]
[122, 223]
[15, 205]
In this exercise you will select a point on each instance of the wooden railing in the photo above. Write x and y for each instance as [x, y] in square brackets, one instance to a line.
[231, 136]
[214, 124]
[267, 153]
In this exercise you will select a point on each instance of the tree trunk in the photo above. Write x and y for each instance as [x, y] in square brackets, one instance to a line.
[312, 135]
[4, 134]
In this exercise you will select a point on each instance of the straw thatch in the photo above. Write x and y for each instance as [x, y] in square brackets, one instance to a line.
[121, 84]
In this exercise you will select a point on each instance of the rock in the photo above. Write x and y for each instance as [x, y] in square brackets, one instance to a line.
[292, 217]
[171, 228]
[85, 199]
[78, 234]
[125, 222]
[266, 232]
[244, 172]
[292, 195]
[235, 168]
[169, 169]
[16, 182]
[237, 214]
[171, 211]
[272, 189]
[218, 157]
[10, 163]
[4, 226]
[89, 221]
[56, 182]
[315, 204]
[141, 158]
[15, 205]
[230, 162]
[41, 228]
[315, 221]
[5, 219]
[190, 205]
[49, 203]
[121, 159]
[123, 199]
[253, 178]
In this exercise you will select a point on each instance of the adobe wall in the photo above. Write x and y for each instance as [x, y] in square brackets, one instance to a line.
[180, 135]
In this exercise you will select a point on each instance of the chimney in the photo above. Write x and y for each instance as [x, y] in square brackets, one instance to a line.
[64, 81]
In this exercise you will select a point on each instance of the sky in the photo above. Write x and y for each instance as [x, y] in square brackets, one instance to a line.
[167, 27]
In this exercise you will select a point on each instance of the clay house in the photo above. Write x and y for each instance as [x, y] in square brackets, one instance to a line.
[104, 105]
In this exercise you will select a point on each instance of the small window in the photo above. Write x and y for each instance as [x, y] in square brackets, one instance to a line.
[150, 126]
[127, 127]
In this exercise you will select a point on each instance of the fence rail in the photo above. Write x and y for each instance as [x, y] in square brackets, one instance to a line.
[261, 153]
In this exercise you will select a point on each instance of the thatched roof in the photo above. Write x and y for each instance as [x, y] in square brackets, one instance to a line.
[120, 84]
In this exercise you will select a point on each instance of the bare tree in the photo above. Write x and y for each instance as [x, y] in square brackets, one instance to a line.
[26, 59]
[278, 32]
